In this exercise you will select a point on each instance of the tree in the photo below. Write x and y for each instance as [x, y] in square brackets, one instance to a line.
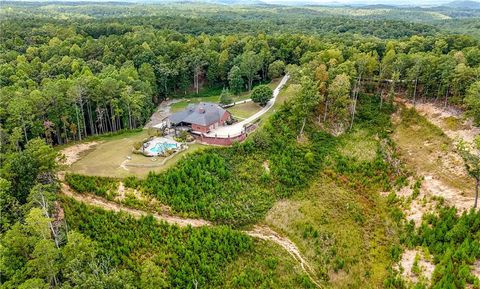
[197, 62]
[80, 264]
[472, 100]
[226, 97]
[338, 92]
[275, 69]
[366, 64]
[152, 276]
[235, 80]
[45, 261]
[34, 283]
[250, 64]
[147, 73]
[306, 101]
[9, 206]
[472, 164]
[38, 162]
[321, 76]
[262, 94]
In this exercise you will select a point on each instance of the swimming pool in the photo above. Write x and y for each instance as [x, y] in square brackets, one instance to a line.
[161, 147]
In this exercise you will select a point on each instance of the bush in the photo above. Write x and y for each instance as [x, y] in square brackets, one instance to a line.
[226, 97]
[262, 94]
[454, 242]
[137, 145]
[100, 186]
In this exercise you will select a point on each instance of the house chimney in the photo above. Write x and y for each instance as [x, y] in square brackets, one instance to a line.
[201, 110]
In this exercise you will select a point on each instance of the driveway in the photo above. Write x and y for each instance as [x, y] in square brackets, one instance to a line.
[237, 128]
[162, 111]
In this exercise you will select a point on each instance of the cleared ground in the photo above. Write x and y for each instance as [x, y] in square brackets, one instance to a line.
[108, 158]
[430, 153]
[340, 232]
[244, 110]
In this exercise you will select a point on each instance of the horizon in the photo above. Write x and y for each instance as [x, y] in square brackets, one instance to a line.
[394, 3]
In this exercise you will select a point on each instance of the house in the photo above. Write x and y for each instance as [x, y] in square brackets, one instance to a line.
[202, 117]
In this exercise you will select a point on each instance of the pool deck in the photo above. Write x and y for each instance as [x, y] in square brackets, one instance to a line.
[159, 140]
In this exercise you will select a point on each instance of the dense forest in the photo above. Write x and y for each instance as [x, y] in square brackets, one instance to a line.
[99, 69]
[66, 82]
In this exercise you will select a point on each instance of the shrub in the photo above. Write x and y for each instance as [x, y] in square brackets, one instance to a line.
[100, 186]
[226, 97]
[262, 94]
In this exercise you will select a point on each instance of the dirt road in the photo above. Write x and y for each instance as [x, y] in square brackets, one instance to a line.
[112, 206]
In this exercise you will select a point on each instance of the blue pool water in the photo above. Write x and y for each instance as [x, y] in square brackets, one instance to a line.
[160, 148]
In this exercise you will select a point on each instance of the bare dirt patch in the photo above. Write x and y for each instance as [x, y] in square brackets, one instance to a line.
[266, 166]
[73, 153]
[425, 267]
[163, 110]
[450, 120]
[476, 269]
[437, 188]
[430, 154]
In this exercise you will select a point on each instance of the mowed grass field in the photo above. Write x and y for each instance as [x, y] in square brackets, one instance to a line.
[244, 110]
[109, 158]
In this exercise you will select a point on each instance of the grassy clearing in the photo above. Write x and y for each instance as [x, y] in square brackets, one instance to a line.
[342, 233]
[104, 137]
[453, 123]
[265, 266]
[340, 223]
[106, 158]
[428, 151]
[360, 146]
[178, 106]
[244, 110]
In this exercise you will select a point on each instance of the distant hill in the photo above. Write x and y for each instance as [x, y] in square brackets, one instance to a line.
[234, 2]
[463, 4]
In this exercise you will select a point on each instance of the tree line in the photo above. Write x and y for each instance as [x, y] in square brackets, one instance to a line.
[61, 84]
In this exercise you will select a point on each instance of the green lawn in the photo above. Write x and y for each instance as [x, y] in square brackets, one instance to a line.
[244, 110]
[106, 158]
